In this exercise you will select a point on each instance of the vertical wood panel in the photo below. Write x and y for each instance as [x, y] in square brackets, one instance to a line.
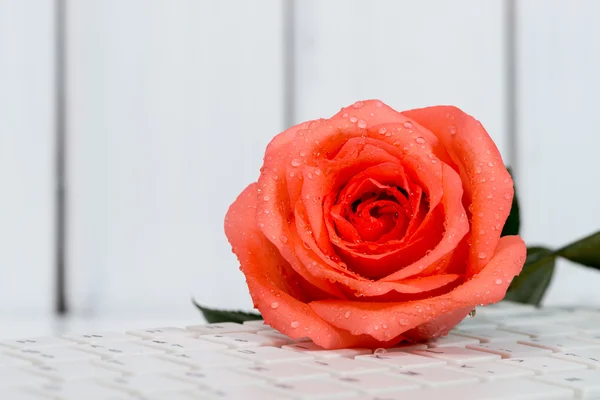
[172, 105]
[408, 54]
[558, 64]
[26, 134]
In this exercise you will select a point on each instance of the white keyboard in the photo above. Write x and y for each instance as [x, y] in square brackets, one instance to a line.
[506, 351]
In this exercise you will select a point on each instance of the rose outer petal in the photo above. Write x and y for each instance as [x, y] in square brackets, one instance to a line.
[271, 292]
[487, 183]
[385, 321]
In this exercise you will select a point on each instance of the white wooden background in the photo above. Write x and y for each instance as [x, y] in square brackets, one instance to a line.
[171, 104]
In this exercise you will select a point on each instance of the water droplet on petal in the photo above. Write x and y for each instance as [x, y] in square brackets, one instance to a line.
[358, 104]
[317, 172]
[275, 177]
[490, 164]
[353, 119]
[499, 281]
[507, 195]
[420, 140]
[380, 351]
[302, 153]
[274, 305]
[295, 324]
[472, 313]
[490, 196]
[347, 315]
[379, 104]
[407, 125]
[376, 327]
[482, 255]
[296, 162]
[362, 124]
[478, 170]
[452, 130]
[310, 175]
[283, 238]
[292, 174]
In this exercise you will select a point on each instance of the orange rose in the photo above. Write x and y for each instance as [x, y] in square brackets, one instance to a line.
[376, 226]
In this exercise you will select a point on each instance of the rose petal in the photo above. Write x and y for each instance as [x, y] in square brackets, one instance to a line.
[271, 292]
[384, 321]
[488, 185]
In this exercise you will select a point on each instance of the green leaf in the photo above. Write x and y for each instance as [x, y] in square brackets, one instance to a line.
[213, 315]
[531, 284]
[585, 251]
[513, 222]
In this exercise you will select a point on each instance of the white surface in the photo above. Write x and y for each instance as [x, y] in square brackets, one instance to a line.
[172, 105]
[558, 59]
[26, 169]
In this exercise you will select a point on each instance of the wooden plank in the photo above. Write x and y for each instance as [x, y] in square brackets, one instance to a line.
[26, 156]
[405, 53]
[172, 105]
[558, 63]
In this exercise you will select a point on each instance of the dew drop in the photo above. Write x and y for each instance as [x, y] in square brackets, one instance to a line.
[295, 324]
[407, 125]
[490, 164]
[274, 305]
[452, 130]
[362, 124]
[478, 170]
[310, 175]
[472, 313]
[499, 281]
[482, 255]
[420, 140]
[380, 351]
[482, 232]
[347, 315]
[292, 174]
[296, 162]
[275, 177]
[317, 172]
[302, 153]
[379, 104]
[353, 119]
[345, 115]
[376, 327]
[382, 130]
[283, 238]
[490, 196]
[507, 195]
[358, 104]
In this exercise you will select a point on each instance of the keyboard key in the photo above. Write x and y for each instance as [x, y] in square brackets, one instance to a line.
[406, 348]
[140, 365]
[81, 389]
[475, 323]
[558, 344]
[48, 355]
[510, 350]
[73, 370]
[402, 360]
[314, 389]
[119, 349]
[541, 330]
[589, 357]
[224, 327]
[35, 343]
[543, 365]
[508, 389]
[284, 372]
[217, 378]
[161, 333]
[593, 339]
[243, 340]
[269, 355]
[439, 376]
[280, 336]
[504, 309]
[8, 360]
[491, 335]
[100, 337]
[147, 384]
[451, 340]
[319, 352]
[252, 392]
[585, 382]
[259, 323]
[377, 383]
[457, 355]
[10, 376]
[346, 367]
[492, 371]
[181, 344]
[589, 326]
[206, 359]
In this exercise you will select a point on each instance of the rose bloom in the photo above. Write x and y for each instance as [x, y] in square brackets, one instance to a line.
[375, 227]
